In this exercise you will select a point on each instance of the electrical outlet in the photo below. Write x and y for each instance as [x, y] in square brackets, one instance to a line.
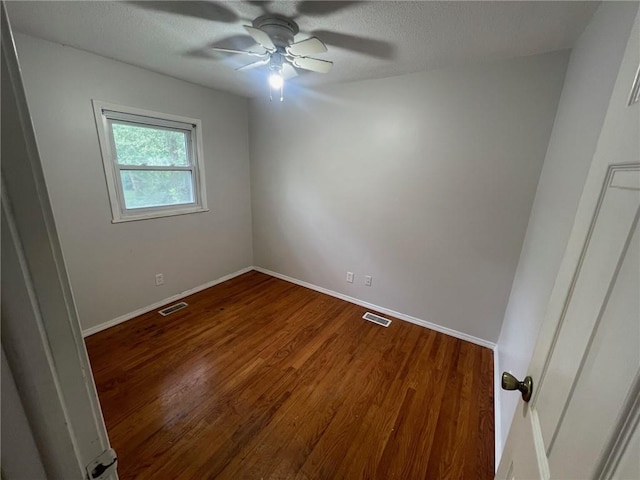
[367, 280]
[159, 279]
[350, 277]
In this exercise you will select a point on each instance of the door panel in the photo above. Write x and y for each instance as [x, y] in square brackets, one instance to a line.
[608, 241]
[582, 421]
[588, 377]
[606, 379]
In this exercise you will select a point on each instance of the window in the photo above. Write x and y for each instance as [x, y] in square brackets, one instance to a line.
[152, 162]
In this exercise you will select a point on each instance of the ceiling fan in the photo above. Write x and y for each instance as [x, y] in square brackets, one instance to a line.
[275, 34]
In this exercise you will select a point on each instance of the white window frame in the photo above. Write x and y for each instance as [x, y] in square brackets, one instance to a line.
[105, 113]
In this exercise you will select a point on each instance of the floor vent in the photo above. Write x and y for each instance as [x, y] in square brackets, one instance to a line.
[372, 317]
[173, 308]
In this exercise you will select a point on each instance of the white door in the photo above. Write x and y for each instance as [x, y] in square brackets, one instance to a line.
[40, 331]
[582, 419]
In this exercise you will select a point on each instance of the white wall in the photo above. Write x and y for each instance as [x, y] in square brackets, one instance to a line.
[19, 456]
[589, 81]
[112, 266]
[424, 181]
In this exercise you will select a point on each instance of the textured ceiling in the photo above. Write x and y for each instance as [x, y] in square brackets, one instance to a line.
[365, 39]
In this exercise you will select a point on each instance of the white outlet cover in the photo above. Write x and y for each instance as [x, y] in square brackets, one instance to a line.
[350, 277]
[367, 280]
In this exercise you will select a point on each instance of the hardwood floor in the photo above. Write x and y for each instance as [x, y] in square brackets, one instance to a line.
[263, 379]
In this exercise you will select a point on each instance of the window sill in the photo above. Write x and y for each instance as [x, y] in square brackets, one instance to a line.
[164, 213]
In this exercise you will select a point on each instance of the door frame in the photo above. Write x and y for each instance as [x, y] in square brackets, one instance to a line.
[41, 333]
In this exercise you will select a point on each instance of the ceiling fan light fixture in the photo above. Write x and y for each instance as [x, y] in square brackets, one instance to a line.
[275, 79]
[275, 34]
[276, 82]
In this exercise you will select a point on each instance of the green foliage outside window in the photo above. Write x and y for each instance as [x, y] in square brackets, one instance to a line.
[153, 147]
[138, 145]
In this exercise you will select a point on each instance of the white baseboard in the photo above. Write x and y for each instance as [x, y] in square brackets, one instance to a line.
[497, 413]
[408, 318]
[157, 305]
[393, 313]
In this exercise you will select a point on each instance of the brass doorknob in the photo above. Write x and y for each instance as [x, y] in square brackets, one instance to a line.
[509, 382]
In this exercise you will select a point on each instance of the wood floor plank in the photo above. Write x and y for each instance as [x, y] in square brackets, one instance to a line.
[262, 379]
[329, 453]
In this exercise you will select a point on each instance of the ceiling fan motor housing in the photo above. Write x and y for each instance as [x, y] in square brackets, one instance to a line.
[281, 29]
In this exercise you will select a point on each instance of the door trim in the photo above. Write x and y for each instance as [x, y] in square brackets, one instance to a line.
[45, 337]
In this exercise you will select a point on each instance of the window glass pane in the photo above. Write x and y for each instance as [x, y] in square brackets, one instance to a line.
[148, 188]
[141, 145]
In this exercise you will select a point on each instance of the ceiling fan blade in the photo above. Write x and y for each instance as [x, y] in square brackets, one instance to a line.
[261, 37]
[204, 10]
[288, 71]
[258, 3]
[241, 41]
[310, 46]
[313, 64]
[320, 9]
[249, 66]
[244, 52]
[367, 46]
